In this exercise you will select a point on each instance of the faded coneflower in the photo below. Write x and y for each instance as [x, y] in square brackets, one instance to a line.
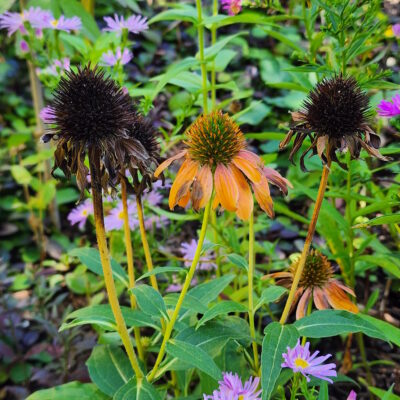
[299, 359]
[316, 284]
[90, 114]
[216, 158]
[335, 116]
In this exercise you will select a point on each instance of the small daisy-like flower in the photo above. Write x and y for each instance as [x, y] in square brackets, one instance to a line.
[352, 395]
[90, 114]
[396, 30]
[115, 219]
[188, 251]
[81, 213]
[317, 284]
[216, 157]
[232, 6]
[13, 21]
[110, 58]
[232, 388]
[134, 24]
[335, 116]
[391, 108]
[57, 67]
[299, 359]
[64, 24]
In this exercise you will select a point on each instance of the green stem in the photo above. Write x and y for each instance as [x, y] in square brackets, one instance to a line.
[250, 278]
[200, 34]
[185, 288]
[213, 72]
[349, 217]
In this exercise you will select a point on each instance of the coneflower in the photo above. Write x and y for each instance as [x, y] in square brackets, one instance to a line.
[91, 115]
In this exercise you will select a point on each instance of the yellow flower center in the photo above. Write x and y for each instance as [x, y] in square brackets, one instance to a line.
[54, 22]
[300, 363]
[84, 213]
[241, 397]
[121, 215]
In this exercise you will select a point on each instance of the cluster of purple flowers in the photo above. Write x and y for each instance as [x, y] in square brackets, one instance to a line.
[119, 57]
[56, 68]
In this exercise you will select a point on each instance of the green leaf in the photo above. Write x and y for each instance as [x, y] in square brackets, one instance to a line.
[183, 12]
[21, 174]
[76, 42]
[238, 260]
[109, 368]
[383, 394]
[150, 301]
[195, 356]
[189, 302]
[209, 291]
[174, 216]
[386, 219]
[102, 315]
[6, 5]
[384, 261]
[269, 295]
[36, 158]
[133, 390]
[392, 333]
[222, 308]
[212, 51]
[91, 258]
[161, 270]
[327, 323]
[284, 39]
[277, 338]
[71, 390]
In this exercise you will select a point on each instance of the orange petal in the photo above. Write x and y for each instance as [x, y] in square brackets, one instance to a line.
[168, 162]
[338, 299]
[202, 187]
[182, 182]
[226, 187]
[184, 200]
[245, 202]
[249, 168]
[261, 191]
[252, 157]
[277, 179]
[303, 304]
[320, 299]
[216, 202]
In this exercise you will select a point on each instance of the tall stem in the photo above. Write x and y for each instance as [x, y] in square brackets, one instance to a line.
[145, 243]
[94, 164]
[185, 288]
[129, 256]
[250, 277]
[309, 238]
[203, 66]
[213, 73]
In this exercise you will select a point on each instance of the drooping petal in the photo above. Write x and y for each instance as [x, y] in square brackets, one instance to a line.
[322, 141]
[184, 200]
[338, 299]
[202, 187]
[303, 304]
[372, 151]
[277, 179]
[249, 168]
[252, 157]
[263, 197]
[226, 187]
[320, 299]
[168, 162]
[182, 182]
[245, 201]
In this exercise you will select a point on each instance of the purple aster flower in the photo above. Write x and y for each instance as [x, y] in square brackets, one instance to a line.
[231, 388]
[157, 221]
[389, 109]
[63, 24]
[134, 24]
[24, 46]
[352, 395]
[47, 115]
[81, 213]
[232, 6]
[57, 67]
[188, 251]
[115, 220]
[396, 30]
[300, 360]
[122, 57]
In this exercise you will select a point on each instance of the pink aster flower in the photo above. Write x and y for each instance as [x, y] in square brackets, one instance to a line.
[232, 6]
[64, 24]
[396, 30]
[391, 108]
[47, 115]
[231, 388]
[122, 57]
[81, 213]
[300, 360]
[57, 67]
[115, 220]
[188, 251]
[134, 24]
[352, 395]
[24, 46]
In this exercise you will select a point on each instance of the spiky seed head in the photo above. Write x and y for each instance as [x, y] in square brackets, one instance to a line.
[337, 107]
[214, 139]
[317, 270]
[143, 130]
[90, 108]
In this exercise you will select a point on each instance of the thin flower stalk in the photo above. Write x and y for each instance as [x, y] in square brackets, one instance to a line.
[200, 34]
[131, 267]
[94, 165]
[213, 72]
[309, 238]
[185, 288]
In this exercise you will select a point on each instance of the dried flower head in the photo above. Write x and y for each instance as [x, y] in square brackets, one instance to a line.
[317, 284]
[335, 116]
[90, 111]
[216, 158]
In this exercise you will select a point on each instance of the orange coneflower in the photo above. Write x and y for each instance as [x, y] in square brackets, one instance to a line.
[316, 284]
[216, 158]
